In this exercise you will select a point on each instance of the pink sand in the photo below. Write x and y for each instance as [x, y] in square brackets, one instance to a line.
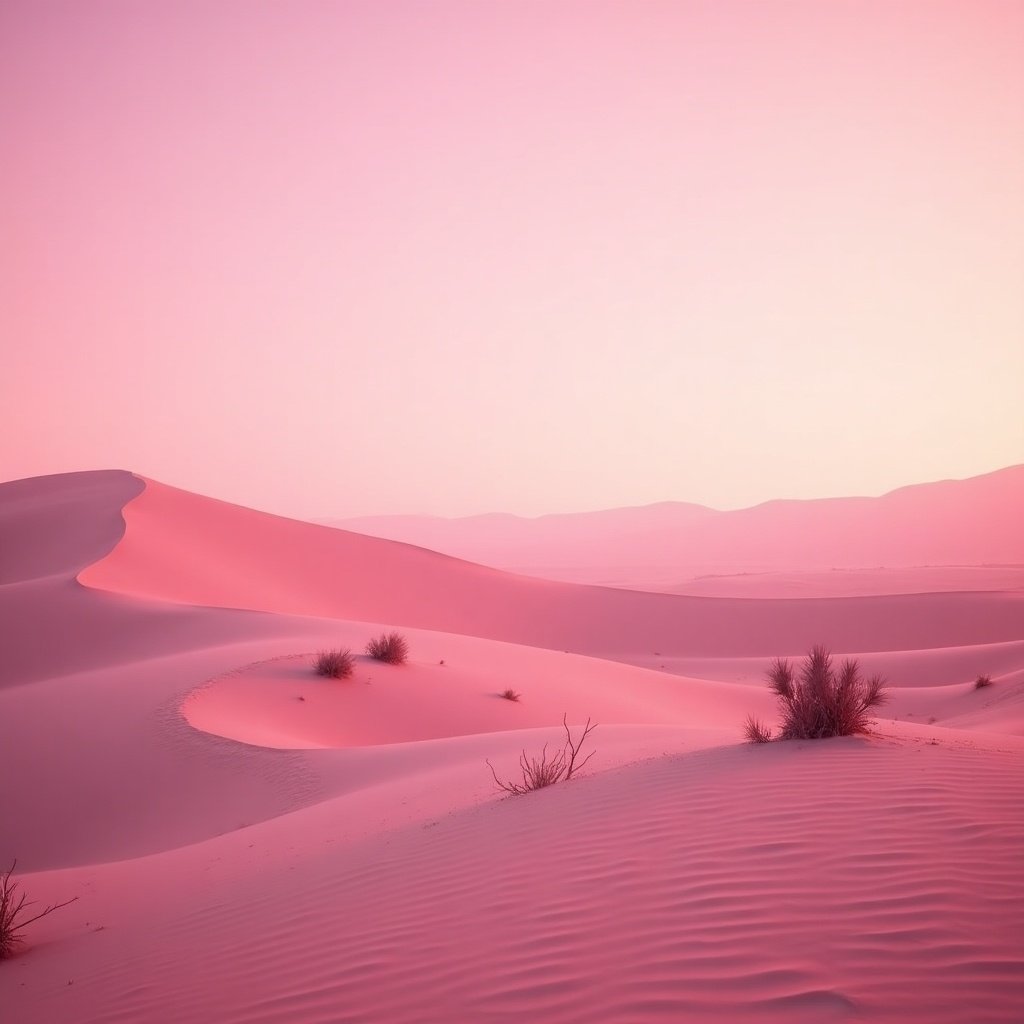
[245, 856]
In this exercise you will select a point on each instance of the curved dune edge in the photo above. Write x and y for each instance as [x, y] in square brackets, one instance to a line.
[55, 526]
[282, 704]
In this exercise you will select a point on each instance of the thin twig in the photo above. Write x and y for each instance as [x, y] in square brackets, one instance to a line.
[537, 773]
[11, 906]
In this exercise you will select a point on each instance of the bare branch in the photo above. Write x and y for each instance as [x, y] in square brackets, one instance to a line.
[12, 904]
[546, 770]
[574, 748]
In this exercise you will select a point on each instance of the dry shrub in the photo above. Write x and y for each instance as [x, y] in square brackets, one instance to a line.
[391, 648]
[335, 664]
[13, 907]
[756, 731]
[982, 681]
[822, 701]
[548, 769]
[510, 694]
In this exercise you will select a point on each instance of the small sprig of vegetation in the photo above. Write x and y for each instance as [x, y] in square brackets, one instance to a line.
[391, 648]
[546, 770]
[821, 701]
[756, 731]
[510, 694]
[982, 681]
[337, 664]
[13, 909]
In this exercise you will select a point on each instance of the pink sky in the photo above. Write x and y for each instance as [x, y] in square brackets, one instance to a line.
[352, 258]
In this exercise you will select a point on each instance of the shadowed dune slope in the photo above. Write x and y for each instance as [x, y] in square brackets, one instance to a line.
[53, 527]
[57, 525]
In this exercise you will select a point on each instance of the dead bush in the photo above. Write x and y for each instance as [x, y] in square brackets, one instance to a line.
[548, 769]
[756, 731]
[391, 648]
[510, 694]
[820, 700]
[982, 681]
[337, 664]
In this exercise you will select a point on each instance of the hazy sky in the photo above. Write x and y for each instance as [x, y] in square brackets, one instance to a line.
[346, 258]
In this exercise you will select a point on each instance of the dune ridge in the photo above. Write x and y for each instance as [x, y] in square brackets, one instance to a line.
[185, 548]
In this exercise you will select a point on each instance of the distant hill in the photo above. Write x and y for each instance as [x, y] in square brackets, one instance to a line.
[970, 522]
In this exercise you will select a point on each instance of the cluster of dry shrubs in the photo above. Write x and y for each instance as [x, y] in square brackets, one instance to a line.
[819, 700]
[391, 648]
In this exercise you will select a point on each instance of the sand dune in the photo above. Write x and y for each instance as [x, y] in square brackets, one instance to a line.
[928, 579]
[186, 548]
[840, 881]
[245, 856]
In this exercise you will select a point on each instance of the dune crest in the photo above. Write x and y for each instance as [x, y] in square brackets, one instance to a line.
[186, 548]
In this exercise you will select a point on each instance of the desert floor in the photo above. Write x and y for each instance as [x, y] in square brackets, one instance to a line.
[250, 842]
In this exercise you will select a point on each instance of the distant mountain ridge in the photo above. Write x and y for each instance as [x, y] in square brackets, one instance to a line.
[976, 521]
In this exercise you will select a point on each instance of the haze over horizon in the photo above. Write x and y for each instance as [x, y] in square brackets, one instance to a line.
[654, 504]
[335, 261]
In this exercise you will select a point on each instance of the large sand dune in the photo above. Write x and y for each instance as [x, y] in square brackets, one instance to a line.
[185, 548]
[244, 855]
